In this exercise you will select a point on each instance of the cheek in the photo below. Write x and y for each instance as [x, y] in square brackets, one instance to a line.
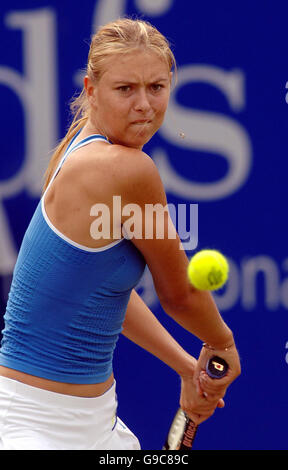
[162, 101]
[161, 107]
[116, 117]
[111, 112]
[117, 110]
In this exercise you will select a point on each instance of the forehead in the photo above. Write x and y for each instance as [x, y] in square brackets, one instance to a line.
[138, 65]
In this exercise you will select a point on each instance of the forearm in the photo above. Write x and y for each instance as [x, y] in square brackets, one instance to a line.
[142, 327]
[199, 314]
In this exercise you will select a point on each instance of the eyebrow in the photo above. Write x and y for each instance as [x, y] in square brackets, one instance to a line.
[131, 82]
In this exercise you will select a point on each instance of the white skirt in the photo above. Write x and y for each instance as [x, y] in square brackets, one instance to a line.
[36, 419]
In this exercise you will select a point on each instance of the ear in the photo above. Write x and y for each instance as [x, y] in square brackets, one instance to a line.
[90, 89]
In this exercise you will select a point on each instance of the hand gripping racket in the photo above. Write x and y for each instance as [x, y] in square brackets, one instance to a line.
[183, 430]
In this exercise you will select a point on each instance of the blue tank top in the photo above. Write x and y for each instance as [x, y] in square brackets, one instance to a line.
[67, 302]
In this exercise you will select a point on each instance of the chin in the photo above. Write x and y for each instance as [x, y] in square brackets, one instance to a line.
[143, 137]
[135, 139]
[139, 142]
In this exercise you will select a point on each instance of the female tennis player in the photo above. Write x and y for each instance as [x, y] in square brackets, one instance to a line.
[73, 287]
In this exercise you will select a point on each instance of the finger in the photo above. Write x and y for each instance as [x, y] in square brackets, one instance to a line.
[212, 386]
[214, 399]
[203, 407]
[196, 418]
[199, 418]
[221, 403]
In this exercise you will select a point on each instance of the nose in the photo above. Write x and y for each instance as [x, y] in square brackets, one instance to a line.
[142, 102]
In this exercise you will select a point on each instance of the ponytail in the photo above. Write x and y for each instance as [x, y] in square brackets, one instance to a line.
[78, 107]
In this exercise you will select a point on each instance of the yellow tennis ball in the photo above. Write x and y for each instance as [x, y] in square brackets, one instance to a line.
[208, 270]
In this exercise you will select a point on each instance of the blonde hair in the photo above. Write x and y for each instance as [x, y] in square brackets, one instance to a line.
[118, 37]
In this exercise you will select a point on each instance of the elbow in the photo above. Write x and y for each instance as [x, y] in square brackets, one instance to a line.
[178, 300]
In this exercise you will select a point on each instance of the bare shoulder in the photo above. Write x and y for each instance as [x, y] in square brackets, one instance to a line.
[115, 169]
[137, 175]
[132, 160]
[117, 158]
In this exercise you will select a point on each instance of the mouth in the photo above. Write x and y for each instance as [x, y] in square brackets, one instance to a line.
[142, 121]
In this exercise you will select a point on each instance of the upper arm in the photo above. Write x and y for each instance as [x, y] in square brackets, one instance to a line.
[158, 240]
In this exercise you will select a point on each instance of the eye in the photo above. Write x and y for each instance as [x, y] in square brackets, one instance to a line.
[124, 88]
[156, 87]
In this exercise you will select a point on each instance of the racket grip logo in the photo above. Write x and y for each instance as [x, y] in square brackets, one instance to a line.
[189, 434]
[218, 366]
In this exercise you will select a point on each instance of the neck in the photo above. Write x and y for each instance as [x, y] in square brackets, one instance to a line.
[90, 128]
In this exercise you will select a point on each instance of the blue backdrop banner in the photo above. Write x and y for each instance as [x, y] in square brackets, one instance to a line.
[221, 152]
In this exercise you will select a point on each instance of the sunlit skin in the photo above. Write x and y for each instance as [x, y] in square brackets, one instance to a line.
[129, 101]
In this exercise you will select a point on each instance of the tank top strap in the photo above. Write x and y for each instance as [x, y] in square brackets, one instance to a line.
[70, 148]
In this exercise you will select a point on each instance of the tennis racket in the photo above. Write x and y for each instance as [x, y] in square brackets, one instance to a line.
[182, 431]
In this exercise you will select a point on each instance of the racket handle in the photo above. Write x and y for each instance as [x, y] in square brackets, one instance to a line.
[216, 368]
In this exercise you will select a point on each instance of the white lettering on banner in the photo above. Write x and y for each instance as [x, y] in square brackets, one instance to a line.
[154, 8]
[286, 358]
[109, 10]
[208, 132]
[267, 268]
[37, 92]
[242, 286]
[106, 11]
[8, 253]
